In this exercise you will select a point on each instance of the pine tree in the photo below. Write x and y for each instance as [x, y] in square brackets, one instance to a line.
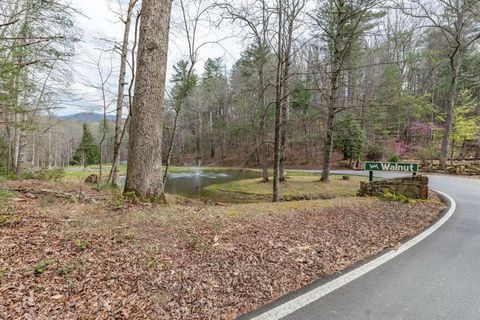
[87, 152]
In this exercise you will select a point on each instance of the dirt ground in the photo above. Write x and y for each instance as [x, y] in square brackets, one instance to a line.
[69, 252]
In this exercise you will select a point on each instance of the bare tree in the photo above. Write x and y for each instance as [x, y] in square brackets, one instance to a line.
[255, 17]
[127, 21]
[287, 18]
[104, 79]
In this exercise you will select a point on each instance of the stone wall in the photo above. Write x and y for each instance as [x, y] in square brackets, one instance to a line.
[411, 187]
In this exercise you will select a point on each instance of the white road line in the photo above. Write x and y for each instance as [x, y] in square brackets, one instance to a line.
[319, 292]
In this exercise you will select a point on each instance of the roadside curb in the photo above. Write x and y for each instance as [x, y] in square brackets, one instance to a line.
[296, 300]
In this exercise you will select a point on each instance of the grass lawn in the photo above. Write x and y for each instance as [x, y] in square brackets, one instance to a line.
[295, 188]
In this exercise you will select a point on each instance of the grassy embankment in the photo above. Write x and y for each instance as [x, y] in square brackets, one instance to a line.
[297, 187]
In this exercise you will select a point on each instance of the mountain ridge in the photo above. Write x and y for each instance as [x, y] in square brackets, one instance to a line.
[86, 117]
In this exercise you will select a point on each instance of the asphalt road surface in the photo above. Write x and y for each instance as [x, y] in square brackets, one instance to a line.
[439, 278]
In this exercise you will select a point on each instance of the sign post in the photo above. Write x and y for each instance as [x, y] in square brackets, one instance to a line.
[391, 166]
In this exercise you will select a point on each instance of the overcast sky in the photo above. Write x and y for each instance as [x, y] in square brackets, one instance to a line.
[99, 21]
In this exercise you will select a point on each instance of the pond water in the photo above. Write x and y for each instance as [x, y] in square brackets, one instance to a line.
[191, 183]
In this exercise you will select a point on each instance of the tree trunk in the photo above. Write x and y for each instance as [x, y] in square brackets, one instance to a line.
[198, 144]
[264, 156]
[305, 138]
[170, 147]
[144, 173]
[278, 109]
[277, 152]
[450, 108]
[332, 105]
[50, 150]
[328, 148]
[210, 128]
[452, 152]
[333, 92]
[283, 132]
[261, 94]
[114, 174]
[463, 150]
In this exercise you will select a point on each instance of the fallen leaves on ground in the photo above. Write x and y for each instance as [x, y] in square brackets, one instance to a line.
[63, 260]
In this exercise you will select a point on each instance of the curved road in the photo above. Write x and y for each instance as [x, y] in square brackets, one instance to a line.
[439, 278]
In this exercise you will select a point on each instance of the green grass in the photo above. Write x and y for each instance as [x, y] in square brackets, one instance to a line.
[78, 172]
[5, 195]
[296, 188]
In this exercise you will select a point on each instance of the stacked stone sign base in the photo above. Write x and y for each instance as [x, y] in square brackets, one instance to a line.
[411, 187]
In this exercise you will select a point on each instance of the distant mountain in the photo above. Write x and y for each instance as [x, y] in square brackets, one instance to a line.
[87, 117]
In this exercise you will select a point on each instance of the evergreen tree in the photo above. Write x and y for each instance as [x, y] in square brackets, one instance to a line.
[350, 139]
[87, 152]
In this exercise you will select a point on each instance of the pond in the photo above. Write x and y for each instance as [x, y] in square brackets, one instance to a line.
[191, 182]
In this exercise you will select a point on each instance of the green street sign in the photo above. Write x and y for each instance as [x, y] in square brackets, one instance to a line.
[392, 166]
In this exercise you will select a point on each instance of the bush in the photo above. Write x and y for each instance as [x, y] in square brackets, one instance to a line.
[427, 154]
[374, 152]
[394, 158]
[387, 195]
[45, 174]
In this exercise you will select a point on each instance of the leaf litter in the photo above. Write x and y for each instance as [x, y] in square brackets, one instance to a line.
[63, 259]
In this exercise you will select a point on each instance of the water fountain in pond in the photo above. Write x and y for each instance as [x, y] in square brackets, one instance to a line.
[198, 185]
[197, 166]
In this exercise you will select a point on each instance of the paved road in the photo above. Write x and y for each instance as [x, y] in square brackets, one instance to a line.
[437, 279]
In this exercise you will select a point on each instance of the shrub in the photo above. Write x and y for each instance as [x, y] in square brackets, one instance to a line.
[396, 197]
[45, 174]
[374, 152]
[394, 158]
[427, 154]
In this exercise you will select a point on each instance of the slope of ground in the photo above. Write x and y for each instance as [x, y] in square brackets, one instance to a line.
[95, 256]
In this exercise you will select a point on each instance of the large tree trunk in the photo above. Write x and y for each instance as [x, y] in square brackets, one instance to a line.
[144, 173]
[450, 108]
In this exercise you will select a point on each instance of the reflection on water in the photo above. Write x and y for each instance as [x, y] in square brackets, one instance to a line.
[192, 183]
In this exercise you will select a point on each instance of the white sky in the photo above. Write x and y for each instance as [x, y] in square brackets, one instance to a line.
[98, 21]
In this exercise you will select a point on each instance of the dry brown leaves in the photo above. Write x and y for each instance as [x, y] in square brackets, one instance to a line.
[207, 267]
